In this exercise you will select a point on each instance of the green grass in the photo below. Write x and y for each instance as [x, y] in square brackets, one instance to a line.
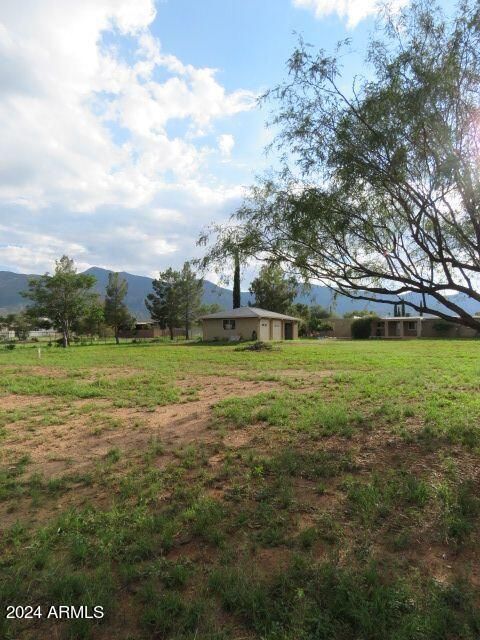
[333, 497]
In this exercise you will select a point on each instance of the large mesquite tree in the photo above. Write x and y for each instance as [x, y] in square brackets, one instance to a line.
[379, 195]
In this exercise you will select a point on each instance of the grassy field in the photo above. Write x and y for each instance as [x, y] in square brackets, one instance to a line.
[322, 491]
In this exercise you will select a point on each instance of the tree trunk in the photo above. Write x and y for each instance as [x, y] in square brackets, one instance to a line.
[65, 338]
[236, 282]
[171, 332]
[117, 339]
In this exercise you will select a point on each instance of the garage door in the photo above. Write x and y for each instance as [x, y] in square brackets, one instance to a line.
[264, 330]
[277, 330]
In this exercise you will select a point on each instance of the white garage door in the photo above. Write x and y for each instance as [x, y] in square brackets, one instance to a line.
[264, 330]
[277, 330]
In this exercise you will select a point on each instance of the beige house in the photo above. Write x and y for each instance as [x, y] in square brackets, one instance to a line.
[249, 323]
[404, 327]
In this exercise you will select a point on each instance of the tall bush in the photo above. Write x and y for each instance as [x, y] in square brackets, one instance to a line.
[362, 328]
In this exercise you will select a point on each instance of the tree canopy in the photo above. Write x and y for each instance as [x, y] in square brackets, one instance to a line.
[379, 192]
[273, 290]
[176, 298]
[116, 311]
[64, 297]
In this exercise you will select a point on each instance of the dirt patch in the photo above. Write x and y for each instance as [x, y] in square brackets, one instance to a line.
[20, 402]
[273, 560]
[84, 440]
[238, 438]
[305, 373]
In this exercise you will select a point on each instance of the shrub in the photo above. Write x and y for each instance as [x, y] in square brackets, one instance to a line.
[10, 346]
[442, 327]
[362, 328]
[256, 346]
[324, 326]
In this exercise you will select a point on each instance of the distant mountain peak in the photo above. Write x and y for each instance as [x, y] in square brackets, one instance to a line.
[140, 286]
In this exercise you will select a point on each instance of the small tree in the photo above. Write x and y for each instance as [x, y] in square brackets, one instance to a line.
[63, 297]
[318, 314]
[302, 312]
[116, 311]
[176, 299]
[190, 295]
[361, 328]
[273, 290]
[22, 324]
[236, 281]
[164, 304]
[93, 322]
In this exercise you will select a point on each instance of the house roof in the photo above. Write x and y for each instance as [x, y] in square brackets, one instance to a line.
[247, 312]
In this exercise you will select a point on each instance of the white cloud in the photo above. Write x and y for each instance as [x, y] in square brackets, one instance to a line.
[88, 161]
[64, 97]
[354, 11]
[226, 142]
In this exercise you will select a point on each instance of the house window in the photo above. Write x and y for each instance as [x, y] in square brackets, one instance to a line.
[411, 326]
[229, 324]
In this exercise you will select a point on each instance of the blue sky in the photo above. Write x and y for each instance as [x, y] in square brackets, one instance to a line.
[127, 127]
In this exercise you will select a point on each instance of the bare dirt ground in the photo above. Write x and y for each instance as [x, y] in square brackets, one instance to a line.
[79, 442]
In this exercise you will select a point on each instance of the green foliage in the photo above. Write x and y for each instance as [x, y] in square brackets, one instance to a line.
[93, 322]
[361, 328]
[176, 299]
[317, 317]
[327, 602]
[368, 173]
[64, 298]
[374, 500]
[256, 346]
[116, 311]
[442, 327]
[273, 290]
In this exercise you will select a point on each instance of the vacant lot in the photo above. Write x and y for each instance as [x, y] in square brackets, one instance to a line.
[325, 490]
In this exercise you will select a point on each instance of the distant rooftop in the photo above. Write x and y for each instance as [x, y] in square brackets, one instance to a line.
[247, 312]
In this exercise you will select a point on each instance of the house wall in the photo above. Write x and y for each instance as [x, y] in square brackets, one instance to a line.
[244, 327]
[455, 331]
[341, 327]
[295, 330]
[266, 329]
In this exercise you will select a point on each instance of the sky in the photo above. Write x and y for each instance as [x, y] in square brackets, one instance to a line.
[127, 127]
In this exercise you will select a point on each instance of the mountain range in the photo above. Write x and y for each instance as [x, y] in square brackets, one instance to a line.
[11, 301]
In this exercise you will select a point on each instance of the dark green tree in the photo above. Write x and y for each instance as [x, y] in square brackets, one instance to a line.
[318, 315]
[273, 290]
[116, 311]
[63, 297]
[164, 304]
[379, 193]
[93, 321]
[190, 295]
[176, 300]
[236, 281]
[21, 324]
